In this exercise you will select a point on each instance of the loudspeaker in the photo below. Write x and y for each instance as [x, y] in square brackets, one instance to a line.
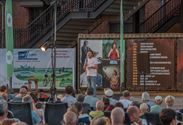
[143, 63]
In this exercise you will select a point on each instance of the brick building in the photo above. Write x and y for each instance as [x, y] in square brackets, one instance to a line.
[24, 12]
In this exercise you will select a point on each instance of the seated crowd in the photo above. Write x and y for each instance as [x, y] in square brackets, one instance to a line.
[87, 109]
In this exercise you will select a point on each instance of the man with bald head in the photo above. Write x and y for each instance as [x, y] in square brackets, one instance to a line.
[19, 123]
[70, 118]
[117, 116]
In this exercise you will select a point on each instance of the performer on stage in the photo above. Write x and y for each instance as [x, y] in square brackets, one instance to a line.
[90, 67]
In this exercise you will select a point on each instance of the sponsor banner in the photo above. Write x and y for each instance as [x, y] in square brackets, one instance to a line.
[34, 66]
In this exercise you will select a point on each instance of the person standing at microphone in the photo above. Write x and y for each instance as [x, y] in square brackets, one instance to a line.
[90, 67]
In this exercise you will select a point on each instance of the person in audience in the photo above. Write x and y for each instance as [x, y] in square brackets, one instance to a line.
[35, 117]
[68, 98]
[134, 115]
[3, 92]
[80, 98]
[70, 118]
[168, 116]
[157, 107]
[74, 109]
[83, 116]
[101, 121]
[19, 123]
[169, 101]
[118, 104]
[3, 110]
[41, 124]
[143, 109]
[9, 121]
[22, 91]
[117, 116]
[146, 99]
[107, 106]
[90, 99]
[125, 100]
[99, 110]
[39, 110]
[109, 93]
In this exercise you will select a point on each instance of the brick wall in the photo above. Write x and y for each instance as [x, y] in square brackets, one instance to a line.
[20, 15]
[151, 7]
[102, 28]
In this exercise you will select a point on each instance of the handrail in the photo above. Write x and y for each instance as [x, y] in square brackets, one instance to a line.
[161, 16]
[43, 24]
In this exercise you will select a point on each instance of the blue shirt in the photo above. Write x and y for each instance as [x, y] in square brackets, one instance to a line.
[35, 118]
[91, 100]
[69, 100]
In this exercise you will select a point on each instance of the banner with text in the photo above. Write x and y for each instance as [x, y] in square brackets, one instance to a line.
[150, 64]
[35, 65]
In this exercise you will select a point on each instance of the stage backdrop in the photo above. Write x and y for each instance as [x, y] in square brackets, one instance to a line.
[109, 70]
[35, 64]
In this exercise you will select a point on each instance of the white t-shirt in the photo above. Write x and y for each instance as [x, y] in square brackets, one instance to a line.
[90, 63]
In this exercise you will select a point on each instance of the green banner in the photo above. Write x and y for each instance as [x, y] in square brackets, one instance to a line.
[122, 46]
[9, 38]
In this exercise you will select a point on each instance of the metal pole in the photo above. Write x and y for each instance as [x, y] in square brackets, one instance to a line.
[122, 47]
[53, 86]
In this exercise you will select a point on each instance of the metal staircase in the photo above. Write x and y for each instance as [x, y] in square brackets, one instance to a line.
[163, 18]
[73, 17]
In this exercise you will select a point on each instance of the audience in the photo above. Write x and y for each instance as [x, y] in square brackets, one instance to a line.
[3, 92]
[3, 110]
[70, 118]
[146, 99]
[168, 116]
[22, 92]
[100, 121]
[35, 117]
[83, 116]
[80, 98]
[99, 110]
[107, 106]
[118, 104]
[9, 121]
[109, 93]
[134, 115]
[125, 100]
[136, 111]
[90, 99]
[143, 109]
[73, 108]
[68, 98]
[169, 101]
[117, 116]
[19, 123]
[157, 107]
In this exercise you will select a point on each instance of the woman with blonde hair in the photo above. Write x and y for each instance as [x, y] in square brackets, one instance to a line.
[169, 101]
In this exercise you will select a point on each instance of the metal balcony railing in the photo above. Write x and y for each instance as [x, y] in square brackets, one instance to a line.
[161, 16]
[44, 23]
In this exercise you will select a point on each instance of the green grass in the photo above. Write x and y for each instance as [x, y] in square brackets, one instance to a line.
[63, 78]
